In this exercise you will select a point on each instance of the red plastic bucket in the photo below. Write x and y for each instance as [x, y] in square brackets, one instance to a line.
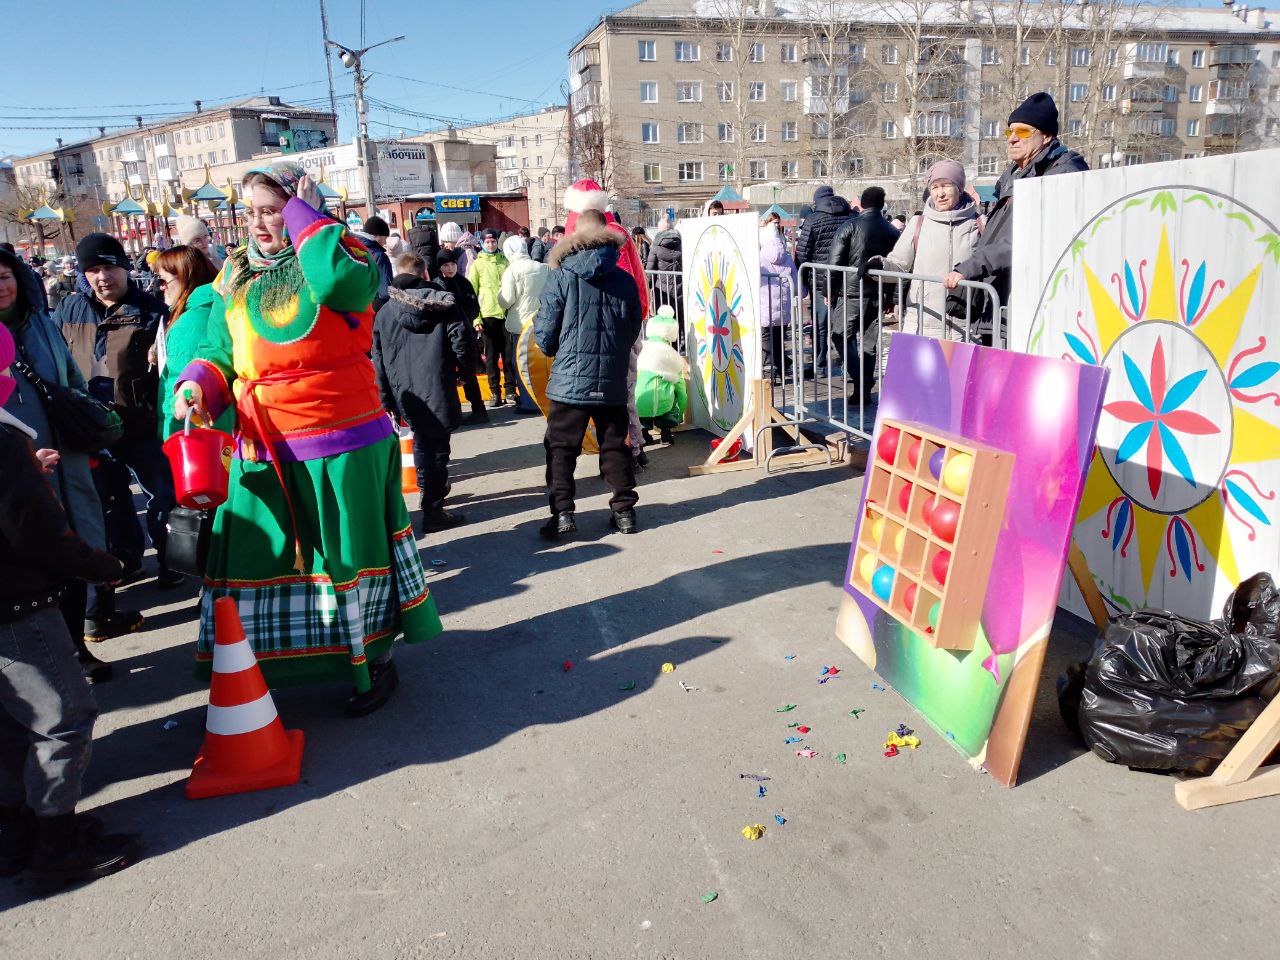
[201, 461]
[734, 451]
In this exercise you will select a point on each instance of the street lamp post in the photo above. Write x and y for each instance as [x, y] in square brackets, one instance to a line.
[353, 60]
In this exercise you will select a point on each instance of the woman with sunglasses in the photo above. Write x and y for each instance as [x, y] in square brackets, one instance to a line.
[186, 277]
[1034, 150]
[313, 541]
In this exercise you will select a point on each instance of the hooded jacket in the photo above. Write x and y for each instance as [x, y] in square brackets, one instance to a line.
[660, 386]
[467, 248]
[425, 241]
[932, 244]
[522, 284]
[830, 213]
[777, 280]
[992, 257]
[589, 320]
[415, 349]
[381, 261]
[485, 274]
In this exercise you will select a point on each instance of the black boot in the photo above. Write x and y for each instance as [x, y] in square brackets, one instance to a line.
[97, 671]
[71, 848]
[384, 678]
[667, 438]
[559, 525]
[17, 839]
[624, 521]
[436, 521]
[115, 625]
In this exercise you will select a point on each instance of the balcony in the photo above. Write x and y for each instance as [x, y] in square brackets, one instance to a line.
[1220, 143]
[1226, 106]
[1233, 57]
[164, 149]
[136, 179]
[1144, 69]
[1131, 105]
[132, 152]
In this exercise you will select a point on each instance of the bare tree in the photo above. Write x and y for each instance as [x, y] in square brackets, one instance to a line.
[22, 200]
[828, 58]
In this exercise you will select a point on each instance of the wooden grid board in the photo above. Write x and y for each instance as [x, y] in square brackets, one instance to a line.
[904, 541]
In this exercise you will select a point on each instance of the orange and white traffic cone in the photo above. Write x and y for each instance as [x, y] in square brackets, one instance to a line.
[408, 472]
[246, 747]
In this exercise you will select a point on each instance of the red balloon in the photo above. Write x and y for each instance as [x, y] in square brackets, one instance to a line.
[941, 565]
[926, 511]
[887, 445]
[944, 520]
[909, 597]
[904, 497]
[913, 453]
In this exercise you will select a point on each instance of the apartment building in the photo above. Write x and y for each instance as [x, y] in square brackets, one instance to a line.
[672, 98]
[532, 155]
[162, 158]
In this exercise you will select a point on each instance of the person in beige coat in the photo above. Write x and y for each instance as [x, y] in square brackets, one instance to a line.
[934, 241]
[519, 295]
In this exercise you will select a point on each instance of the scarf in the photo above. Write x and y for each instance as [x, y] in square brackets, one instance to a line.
[279, 274]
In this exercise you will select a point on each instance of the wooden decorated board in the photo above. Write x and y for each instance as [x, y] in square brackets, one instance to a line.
[535, 371]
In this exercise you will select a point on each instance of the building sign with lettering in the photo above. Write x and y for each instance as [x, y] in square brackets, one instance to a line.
[458, 204]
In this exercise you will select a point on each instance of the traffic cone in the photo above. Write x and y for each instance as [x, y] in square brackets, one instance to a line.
[246, 747]
[408, 472]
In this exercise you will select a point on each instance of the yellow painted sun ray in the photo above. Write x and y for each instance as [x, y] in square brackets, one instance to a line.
[1254, 439]
[1209, 520]
[1220, 329]
[1164, 295]
[1099, 489]
[1106, 315]
[1150, 529]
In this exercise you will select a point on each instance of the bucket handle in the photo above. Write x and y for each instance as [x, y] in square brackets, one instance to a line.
[186, 429]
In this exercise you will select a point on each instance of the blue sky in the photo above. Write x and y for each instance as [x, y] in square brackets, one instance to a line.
[111, 59]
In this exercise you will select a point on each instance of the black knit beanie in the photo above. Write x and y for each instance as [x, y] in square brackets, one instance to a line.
[100, 250]
[1038, 111]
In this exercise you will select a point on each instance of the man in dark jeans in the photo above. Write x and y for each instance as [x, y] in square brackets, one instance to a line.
[110, 331]
[588, 320]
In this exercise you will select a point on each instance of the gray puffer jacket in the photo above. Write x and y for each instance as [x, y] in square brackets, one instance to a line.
[588, 319]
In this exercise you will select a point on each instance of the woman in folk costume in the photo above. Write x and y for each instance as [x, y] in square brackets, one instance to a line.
[314, 541]
[589, 195]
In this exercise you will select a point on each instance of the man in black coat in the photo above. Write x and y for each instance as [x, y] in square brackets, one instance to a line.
[867, 235]
[415, 352]
[830, 213]
[425, 241]
[588, 320]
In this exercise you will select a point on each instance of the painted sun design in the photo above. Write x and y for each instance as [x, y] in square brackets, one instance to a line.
[721, 319]
[1185, 471]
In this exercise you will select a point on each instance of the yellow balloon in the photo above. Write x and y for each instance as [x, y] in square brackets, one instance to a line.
[877, 528]
[900, 540]
[867, 566]
[955, 475]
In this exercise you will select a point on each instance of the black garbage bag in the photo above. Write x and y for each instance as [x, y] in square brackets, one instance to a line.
[1164, 692]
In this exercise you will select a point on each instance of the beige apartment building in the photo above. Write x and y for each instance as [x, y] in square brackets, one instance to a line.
[671, 99]
[162, 158]
[532, 155]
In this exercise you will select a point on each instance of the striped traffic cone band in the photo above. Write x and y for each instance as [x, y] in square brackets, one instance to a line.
[246, 747]
[408, 472]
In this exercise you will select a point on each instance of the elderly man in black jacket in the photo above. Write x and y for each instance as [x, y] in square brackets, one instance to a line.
[1031, 141]
[416, 348]
[866, 236]
[588, 320]
[830, 213]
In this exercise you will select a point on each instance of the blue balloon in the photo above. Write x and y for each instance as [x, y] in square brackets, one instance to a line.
[882, 583]
[935, 463]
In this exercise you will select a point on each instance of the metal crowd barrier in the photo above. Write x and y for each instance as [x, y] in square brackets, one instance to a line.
[665, 287]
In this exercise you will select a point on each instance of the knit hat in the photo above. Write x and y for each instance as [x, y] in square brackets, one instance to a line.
[284, 174]
[100, 250]
[585, 195]
[7, 352]
[663, 325]
[446, 256]
[190, 229]
[1038, 111]
[68, 267]
[946, 170]
[450, 232]
[823, 192]
[375, 226]
[489, 232]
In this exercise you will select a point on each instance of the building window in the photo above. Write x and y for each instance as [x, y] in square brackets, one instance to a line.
[990, 55]
[537, 161]
[854, 166]
[537, 141]
[224, 157]
[725, 171]
[1075, 127]
[791, 169]
[648, 51]
[1108, 92]
[1172, 58]
[186, 133]
[653, 171]
[688, 133]
[1195, 93]
[1170, 93]
[649, 133]
[197, 134]
[1167, 127]
[889, 130]
[757, 169]
[889, 53]
[1151, 52]
[689, 171]
[789, 88]
[208, 132]
[857, 52]
[688, 53]
[821, 130]
[790, 133]
[889, 92]
[756, 92]
[1107, 128]
[1193, 128]
[990, 129]
[649, 91]
[1081, 56]
[759, 133]
[724, 133]
[819, 167]
[888, 168]
[542, 203]
[1025, 57]
[724, 52]
[1051, 56]
[987, 166]
[788, 53]
[689, 91]
[221, 132]
[724, 91]
[1079, 92]
[757, 53]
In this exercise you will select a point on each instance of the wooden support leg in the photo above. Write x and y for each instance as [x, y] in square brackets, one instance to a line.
[1238, 776]
[1084, 580]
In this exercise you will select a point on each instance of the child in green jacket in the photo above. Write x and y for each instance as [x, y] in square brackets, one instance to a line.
[661, 394]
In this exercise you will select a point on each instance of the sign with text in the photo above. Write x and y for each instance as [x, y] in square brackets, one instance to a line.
[458, 204]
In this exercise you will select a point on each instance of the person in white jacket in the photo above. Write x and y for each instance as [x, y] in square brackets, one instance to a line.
[932, 243]
[519, 296]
